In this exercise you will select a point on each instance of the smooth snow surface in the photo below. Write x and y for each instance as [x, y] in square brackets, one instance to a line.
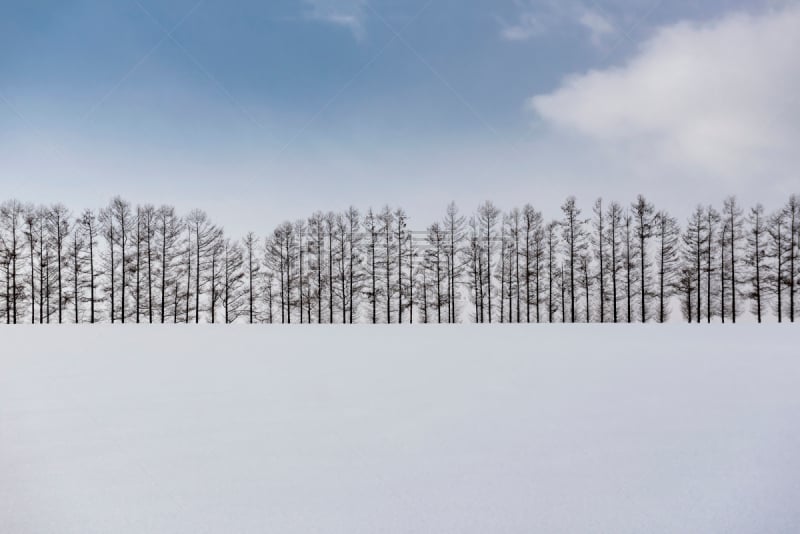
[467, 429]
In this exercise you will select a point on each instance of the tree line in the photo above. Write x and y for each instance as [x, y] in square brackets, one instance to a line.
[615, 263]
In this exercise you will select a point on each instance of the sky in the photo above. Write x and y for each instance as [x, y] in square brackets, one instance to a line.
[263, 111]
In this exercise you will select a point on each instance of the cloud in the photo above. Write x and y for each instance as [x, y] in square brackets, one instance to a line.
[599, 26]
[528, 25]
[537, 17]
[718, 97]
[344, 13]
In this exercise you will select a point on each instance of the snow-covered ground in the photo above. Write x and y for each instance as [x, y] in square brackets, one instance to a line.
[466, 429]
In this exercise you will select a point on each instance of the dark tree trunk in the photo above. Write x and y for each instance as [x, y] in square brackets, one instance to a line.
[164, 263]
[138, 264]
[75, 280]
[330, 273]
[197, 277]
[33, 274]
[91, 275]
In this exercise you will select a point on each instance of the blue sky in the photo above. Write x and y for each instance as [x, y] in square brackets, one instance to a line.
[258, 111]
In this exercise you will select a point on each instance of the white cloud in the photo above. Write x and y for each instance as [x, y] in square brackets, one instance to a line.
[719, 97]
[537, 17]
[599, 26]
[345, 13]
[529, 25]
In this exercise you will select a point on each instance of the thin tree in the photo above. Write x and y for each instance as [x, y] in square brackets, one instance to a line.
[400, 241]
[756, 256]
[386, 219]
[574, 236]
[630, 263]
[667, 235]
[205, 238]
[643, 213]
[330, 219]
[694, 238]
[712, 222]
[598, 241]
[551, 237]
[734, 222]
[168, 229]
[454, 226]
[371, 229]
[614, 245]
[59, 228]
[75, 253]
[252, 271]
[488, 215]
[791, 218]
[11, 242]
[31, 224]
[354, 243]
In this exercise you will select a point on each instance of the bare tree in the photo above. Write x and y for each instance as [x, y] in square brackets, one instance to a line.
[33, 237]
[300, 233]
[553, 273]
[138, 264]
[341, 241]
[330, 220]
[585, 278]
[488, 215]
[756, 257]
[107, 224]
[685, 288]
[628, 242]
[534, 251]
[423, 281]
[386, 219]
[58, 229]
[694, 238]
[667, 234]
[712, 222]
[348, 264]
[598, 240]
[400, 239]
[355, 261]
[411, 258]
[643, 213]
[167, 229]
[253, 270]
[89, 225]
[215, 274]
[474, 253]
[791, 220]
[205, 239]
[233, 283]
[372, 293]
[435, 260]
[614, 246]
[733, 238]
[268, 292]
[280, 261]
[515, 235]
[148, 223]
[187, 255]
[574, 236]
[316, 227]
[562, 284]
[76, 274]
[454, 227]
[501, 274]
[12, 247]
[117, 222]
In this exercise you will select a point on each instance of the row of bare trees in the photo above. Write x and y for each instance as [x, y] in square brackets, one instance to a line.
[616, 263]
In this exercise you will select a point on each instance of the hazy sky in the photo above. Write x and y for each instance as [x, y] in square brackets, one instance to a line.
[259, 111]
